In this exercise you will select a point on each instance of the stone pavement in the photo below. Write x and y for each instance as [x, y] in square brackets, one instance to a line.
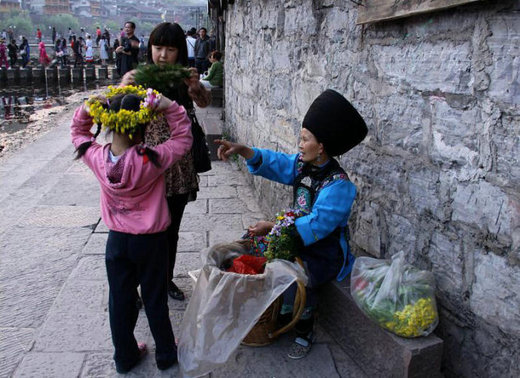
[53, 287]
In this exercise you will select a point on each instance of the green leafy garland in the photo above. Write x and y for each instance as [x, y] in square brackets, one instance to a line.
[162, 78]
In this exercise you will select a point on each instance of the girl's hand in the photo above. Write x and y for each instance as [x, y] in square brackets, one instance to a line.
[262, 228]
[164, 103]
[96, 98]
[128, 78]
[193, 81]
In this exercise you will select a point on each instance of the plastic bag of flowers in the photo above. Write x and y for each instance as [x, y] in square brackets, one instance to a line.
[397, 296]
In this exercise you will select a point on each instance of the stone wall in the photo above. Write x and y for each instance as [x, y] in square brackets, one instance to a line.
[438, 175]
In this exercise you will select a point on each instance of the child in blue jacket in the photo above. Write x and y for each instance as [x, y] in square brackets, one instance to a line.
[322, 189]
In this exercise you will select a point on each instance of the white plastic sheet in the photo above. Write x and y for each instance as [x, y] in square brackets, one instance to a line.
[225, 307]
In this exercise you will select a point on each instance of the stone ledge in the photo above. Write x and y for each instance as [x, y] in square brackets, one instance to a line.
[217, 96]
[379, 353]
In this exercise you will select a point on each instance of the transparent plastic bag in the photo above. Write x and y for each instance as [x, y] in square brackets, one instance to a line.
[397, 296]
[225, 306]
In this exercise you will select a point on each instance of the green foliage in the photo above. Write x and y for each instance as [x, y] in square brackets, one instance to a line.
[62, 23]
[161, 78]
[113, 26]
[145, 28]
[20, 22]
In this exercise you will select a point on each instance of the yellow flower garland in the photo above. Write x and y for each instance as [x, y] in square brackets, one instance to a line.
[124, 121]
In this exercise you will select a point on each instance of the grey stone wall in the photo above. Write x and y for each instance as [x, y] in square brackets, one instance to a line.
[438, 175]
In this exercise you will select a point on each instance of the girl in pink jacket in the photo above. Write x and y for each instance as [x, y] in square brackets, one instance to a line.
[133, 206]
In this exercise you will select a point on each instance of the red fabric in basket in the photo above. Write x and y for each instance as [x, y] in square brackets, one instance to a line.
[247, 264]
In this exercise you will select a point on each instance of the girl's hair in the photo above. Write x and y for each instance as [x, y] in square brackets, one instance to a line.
[171, 35]
[127, 102]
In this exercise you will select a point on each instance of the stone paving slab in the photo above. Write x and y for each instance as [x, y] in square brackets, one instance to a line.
[51, 365]
[61, 216]
[14, 343]
[96, 244]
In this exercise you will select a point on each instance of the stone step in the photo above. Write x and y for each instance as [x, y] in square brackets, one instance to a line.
[217, 97]
[378, 352]
[210, 118]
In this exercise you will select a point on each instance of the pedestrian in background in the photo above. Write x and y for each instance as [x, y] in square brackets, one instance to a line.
[3, 54]
[103, 50]
[215, 76]
[129, 49]
[89, 51]
[25, 52]
[13, 50]
[39, 35]
[98, 35]
[190, 44]
[53, 35]
[202, 50]
[44, 58]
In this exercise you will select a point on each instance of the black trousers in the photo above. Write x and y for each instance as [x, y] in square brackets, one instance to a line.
[176, 205]
[133, 260]
[201, 65]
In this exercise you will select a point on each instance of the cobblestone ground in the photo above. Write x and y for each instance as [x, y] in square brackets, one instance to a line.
[53, 288]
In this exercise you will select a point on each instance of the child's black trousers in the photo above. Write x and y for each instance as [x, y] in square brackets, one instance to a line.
[133, 260]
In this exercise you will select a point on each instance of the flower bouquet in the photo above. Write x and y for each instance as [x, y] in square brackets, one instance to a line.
[397, 296]
[283, 238]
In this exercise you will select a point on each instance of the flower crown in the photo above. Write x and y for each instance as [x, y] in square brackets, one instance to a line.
[125, 121]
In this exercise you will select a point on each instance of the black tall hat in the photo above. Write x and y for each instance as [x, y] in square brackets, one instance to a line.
[335, 123]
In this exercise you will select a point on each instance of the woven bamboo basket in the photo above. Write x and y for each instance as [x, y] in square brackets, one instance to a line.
[264, 331]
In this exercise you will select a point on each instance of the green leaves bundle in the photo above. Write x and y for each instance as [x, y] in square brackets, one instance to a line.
[162, 78]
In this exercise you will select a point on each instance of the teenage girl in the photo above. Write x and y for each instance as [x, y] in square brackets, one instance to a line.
[167, 45]
[133, 206]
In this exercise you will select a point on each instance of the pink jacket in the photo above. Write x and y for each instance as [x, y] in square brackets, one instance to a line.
[136, 202]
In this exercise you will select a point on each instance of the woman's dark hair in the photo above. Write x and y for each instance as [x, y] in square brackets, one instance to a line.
[172, 35]
[127, 102]
[217, 55]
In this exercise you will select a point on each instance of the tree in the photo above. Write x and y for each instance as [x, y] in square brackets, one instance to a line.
[19, 22]
[62, 23]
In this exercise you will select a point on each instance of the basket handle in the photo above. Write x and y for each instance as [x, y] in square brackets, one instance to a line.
[299, 305]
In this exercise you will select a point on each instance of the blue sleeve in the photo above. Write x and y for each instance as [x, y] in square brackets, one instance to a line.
[331, 209]
[275, 166]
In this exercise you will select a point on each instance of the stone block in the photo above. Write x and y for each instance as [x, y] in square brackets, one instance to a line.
[52, 74]
[113, 73]
[217, 97]
[102, 73]
[13, 344]
[495, 296]
[377, 352]
[191, 241]
[77, 75]
[74, 332]
[90, 73]
[13, 74]
[64, 74]
[56, 365]
[26, 74]
[38, 75]
[485, 206]
[184, 262]
[90, 268]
